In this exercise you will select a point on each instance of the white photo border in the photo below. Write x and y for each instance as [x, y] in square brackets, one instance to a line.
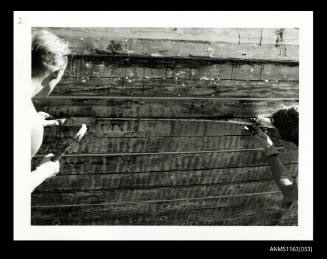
[25, 20]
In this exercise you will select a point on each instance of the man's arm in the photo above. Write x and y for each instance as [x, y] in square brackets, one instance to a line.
[46, 169]
[280, 175]
[278, 172]
[45, 92]
[38, 176]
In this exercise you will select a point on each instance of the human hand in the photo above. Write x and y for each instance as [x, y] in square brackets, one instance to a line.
[262, 138]
[48, 167]
[262, 121]
[45, 116]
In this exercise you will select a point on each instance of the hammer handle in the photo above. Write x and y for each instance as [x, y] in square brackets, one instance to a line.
[61, 153]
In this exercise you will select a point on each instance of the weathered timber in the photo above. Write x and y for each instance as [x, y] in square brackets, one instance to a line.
[203, 216]
[157, 179]
[156, 151]
[227, 35]
[94, 144]
[266, 218]
[120, 136]
[146, 162]
[169, 107]
[289, 218]
[292, 221]
[86, 43]
[221, 209]
[55, 198]
[77, 212]
[132, 68]
[142, 128]
[178, 87]
[272, 199]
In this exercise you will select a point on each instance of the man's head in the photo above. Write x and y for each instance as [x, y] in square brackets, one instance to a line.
[49, 57]
[287, 122]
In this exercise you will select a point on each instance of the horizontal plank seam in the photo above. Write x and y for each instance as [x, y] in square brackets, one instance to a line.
[238, 214]
[245, 42]
[155, 201]
[192, 58]
[179, 78]
[154, 187]
[279, 212]
[213, 118]
[165, 153]
[164, 98]
[171, 136]
[99, 119]
[176, 170]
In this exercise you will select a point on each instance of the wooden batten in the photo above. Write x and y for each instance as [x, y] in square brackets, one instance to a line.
[259, 44]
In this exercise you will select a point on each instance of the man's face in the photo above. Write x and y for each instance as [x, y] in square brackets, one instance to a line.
[55, 73]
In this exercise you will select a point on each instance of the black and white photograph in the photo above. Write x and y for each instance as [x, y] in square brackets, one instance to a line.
[188, 126]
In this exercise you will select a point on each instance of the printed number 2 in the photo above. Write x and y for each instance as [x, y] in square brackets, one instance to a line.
[20, 20]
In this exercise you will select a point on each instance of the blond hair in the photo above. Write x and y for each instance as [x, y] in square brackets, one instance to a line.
[47, 48]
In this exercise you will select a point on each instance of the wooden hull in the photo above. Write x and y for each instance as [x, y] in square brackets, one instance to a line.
[159, 148]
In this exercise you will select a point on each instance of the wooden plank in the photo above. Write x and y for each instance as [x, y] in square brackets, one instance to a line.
[243, 214]
[93, 144]
[160, 107]
[86, 43]
[147, 128]
[255, 219]
[134, 177]
[228, 35]
[142, 127]
[150, 68]
[157, 179]
[55, 198]
[210, 216]
[181, 87]
[269, 218]
[289, 222]
[146, 162]
[75, 213]
[120, 136]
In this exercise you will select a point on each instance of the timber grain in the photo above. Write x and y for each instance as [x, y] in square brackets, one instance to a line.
[96, 181]
[160, 107]
[106, 144]
[165, 110]
[272, 44]
[117, 66]
[146, 162]
[178, 87]
[152, 193]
